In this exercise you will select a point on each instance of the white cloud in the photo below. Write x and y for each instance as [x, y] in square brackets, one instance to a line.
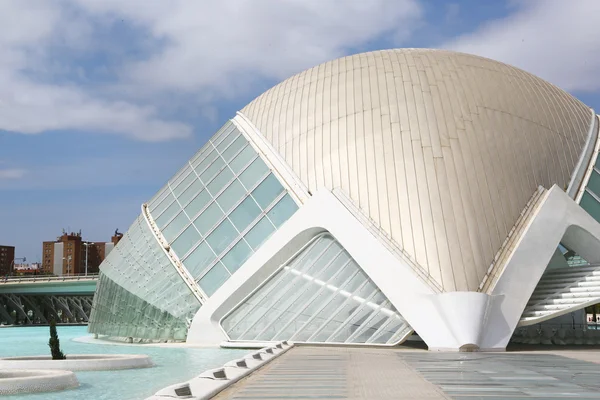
[12, 173]
[192, 52]
[555, 39]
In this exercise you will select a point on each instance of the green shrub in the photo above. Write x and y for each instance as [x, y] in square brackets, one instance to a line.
[54, 343]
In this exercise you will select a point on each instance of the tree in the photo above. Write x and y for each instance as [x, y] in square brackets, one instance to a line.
[54, 343]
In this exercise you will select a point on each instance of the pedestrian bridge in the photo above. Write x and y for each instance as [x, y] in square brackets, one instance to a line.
[39, 299]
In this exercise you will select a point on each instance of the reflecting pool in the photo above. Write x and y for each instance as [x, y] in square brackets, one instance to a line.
[172, 364]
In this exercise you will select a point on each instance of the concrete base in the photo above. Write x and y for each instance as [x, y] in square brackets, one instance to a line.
[19, 381]
[78, 362]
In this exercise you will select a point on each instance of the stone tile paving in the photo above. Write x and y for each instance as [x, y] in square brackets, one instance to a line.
[335, 373]
[382, 374]
[492, 376]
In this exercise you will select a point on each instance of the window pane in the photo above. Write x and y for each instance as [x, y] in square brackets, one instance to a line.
[186, 241]
[254, 173]
[244, 214]
[589, 204]
[223, 132]
[208, 218]
[234, 148]
[158, 197]
[220, 181]
[267, 191]
[169, 213]
[212, 170]
[198, 203]
[282, 210]
[234, 193]
[261, 231]
[201, 154]
[184, 183]
[199, 259]
[156, 211]
[203, 163]
[242, 159]
[236, 256]
[227, 141]
[175, 226]
[222, 237]
[190, 192]
[594, 183]
[214, 279]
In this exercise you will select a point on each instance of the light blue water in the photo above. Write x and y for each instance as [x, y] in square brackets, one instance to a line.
[172, 364]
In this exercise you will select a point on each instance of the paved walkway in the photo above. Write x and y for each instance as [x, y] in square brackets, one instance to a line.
[335, 373]
[373, 374]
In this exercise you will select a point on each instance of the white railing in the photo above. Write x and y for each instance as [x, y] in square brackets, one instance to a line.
[48, 278]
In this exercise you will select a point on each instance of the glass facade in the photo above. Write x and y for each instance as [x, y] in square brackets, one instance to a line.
[214, 213]
[140, 294]
[590, 201]
[322, 296]
[220, 208]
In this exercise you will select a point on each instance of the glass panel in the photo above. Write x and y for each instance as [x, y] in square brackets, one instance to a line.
[267, 191]
[594, 183]
[198, 203]
[234, 193]
[179, 176]
[227, 141]
[236, 256]
[208, 218]
[190, 192]
[294, 306]
[370, 326]
[166, 202]
[223, 132]
[220, 181]
[254, 173]
[150, 300]
[201, 154]
[261, 232]
[244, 214]
[214, 279]
[184, 183]
[158, 198]
[175, 226]
[204, 163]
[282, 211]
[212, 170]
[242, 159]
[391, 326]
[186, 241]
[589, 204]
[169, 213]
[222, 236]
[233, 149]
[197, 261]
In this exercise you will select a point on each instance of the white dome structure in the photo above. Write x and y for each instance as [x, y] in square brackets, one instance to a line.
[362, 199]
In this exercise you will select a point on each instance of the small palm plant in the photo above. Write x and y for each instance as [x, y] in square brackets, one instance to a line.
[54, 343]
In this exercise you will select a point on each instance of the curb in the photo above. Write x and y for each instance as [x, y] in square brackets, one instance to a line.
[211, 382]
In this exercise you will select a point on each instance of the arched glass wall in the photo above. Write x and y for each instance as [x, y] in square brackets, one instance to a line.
[320, 296]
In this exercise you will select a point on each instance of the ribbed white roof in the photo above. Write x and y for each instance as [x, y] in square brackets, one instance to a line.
[442, 150]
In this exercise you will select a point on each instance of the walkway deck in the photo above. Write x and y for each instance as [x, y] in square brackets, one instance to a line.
[335, 373]
[363, 373]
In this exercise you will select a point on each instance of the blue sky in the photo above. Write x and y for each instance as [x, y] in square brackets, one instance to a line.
[101, 101]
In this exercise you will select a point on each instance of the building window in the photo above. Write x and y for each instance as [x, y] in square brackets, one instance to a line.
[221, 208]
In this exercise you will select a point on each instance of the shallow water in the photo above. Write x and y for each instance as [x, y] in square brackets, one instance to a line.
[172, 364]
